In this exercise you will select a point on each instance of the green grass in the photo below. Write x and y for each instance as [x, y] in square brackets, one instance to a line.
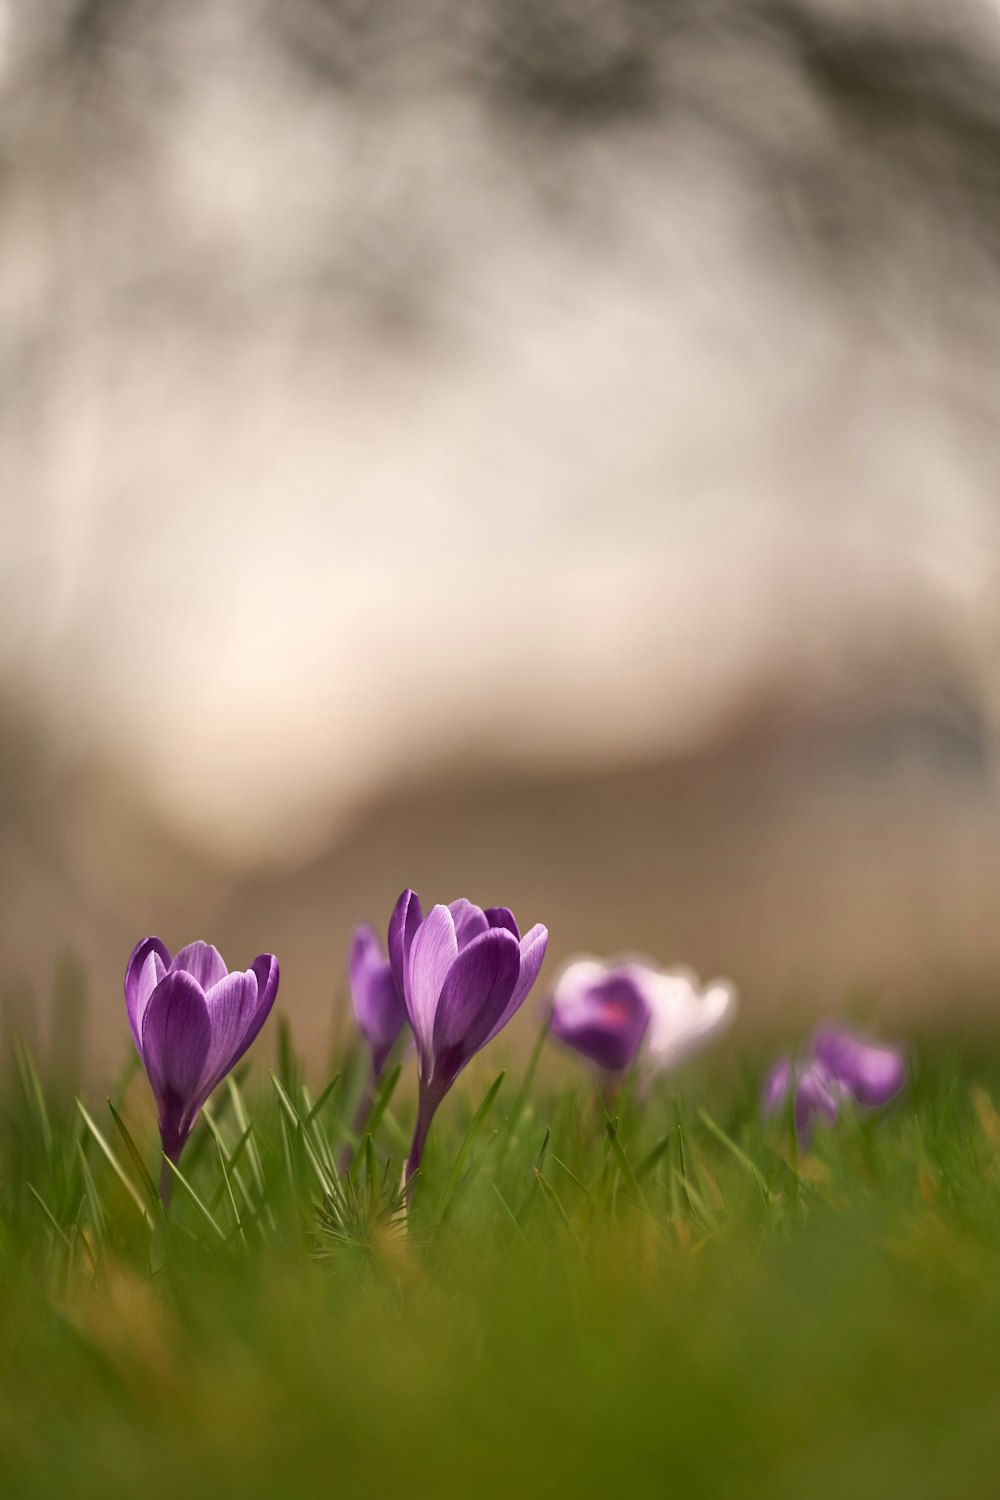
[662, 1299]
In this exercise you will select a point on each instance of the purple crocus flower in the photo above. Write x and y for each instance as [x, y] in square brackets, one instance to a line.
[613, 1012]
[192, 1021]
[872, 1073]
[464, 972]
[379, 1006]
[839, 1065]
[817, 1095]
[603, 1012]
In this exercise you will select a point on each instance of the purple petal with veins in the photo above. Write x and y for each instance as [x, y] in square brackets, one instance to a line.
[473, 1000]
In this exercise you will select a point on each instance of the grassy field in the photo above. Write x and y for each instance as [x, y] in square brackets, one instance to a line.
[667, 1298]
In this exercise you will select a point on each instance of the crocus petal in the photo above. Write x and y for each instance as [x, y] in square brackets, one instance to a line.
[232, 1011]
[685, 1017]
[532, 950]
[815, 1098]
[202, 962]
[149, 962]
[364, 960]
[176, 1036]
[776, 1086]
[406, 918]
[502, 916]
[600, 1012]
[873, 1074]
[473, 1000]
[265, 967]
[470, 920]
[433, 951]
[378, 1009]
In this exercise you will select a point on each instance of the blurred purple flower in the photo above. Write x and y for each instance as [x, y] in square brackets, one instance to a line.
[607, 1011]
[816, 1094]
[872, 1073]
[192, 1021]
[463, 972]
[838, 1066]
[379, 1006]
[603, 1012]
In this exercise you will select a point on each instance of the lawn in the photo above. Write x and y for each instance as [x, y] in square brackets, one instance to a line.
[633, 1296]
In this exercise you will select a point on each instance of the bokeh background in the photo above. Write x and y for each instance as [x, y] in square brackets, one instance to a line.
[544, 450]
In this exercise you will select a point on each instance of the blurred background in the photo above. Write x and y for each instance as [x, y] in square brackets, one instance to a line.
[542, 450]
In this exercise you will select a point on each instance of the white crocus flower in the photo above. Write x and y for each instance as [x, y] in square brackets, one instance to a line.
[685, 1017]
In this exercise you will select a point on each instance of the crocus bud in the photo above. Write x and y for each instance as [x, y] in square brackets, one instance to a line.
[192, 1021]
[379, 1006]
[464, 972]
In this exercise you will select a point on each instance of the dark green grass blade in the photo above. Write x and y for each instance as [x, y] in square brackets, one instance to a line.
[149, 1187]
[98, 1216]
[34, 1094]
[571, 1175]
[323, 1098]
[654, 1156]
[555, 1204]
[466, 1146]
[53, 1221]
[521, 1099]
[511, 1215]
[115, 1164]
[202, 1207]
[226, 1180]
[624, 1165]
[298, 1132]
[740, 1156]
[539, 1162]
[377, 1112]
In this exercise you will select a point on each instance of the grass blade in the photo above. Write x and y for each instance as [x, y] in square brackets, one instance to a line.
[466, 1147]
[115, 1164]
[624, 1165]
[99, 1219]
[202, 1207]
[46, 1210]
[34, 1094]
[740, 1156]
[294, 1120]
[383, 1098]
[552, 1199]
[512, 1216]
[324, 1096]
[137, 1161]
[227, 1184]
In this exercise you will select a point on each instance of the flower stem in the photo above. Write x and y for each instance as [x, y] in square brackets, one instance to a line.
[166, 1185]
[429, 1102]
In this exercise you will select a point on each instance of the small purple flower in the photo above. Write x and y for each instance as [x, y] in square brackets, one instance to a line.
[464, 972]
[379, 1006]
[816, 1094]
[603, 1012]
[776, 1086]
[839, 1065]
[608, 1011]
[192, 1021]
[871, 1073]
